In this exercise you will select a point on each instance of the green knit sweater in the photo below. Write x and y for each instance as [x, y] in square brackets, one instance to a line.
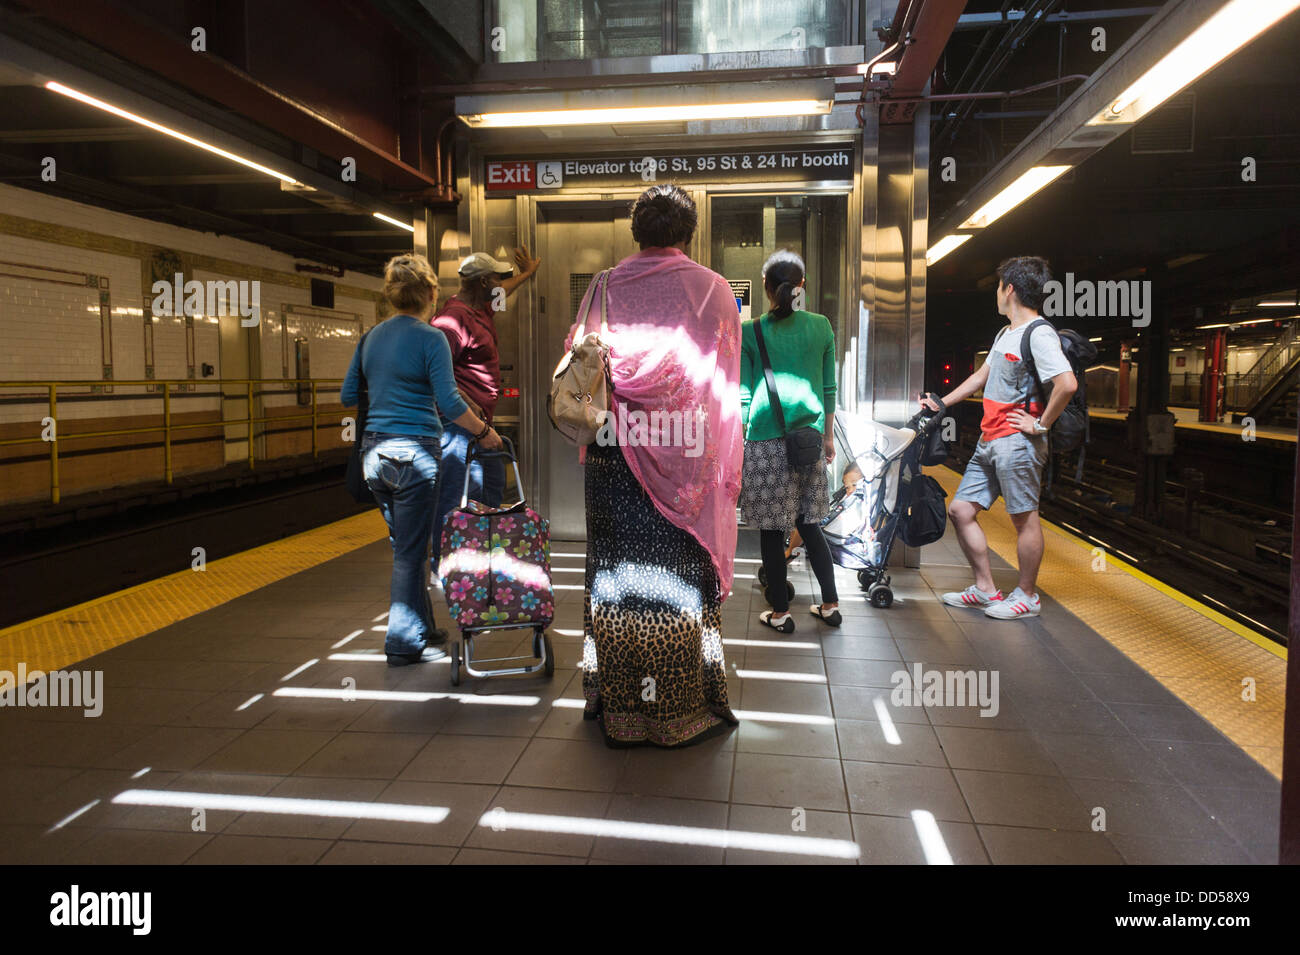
[801, 348]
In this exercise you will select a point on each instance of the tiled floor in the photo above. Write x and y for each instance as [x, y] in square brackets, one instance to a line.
[1088, 759]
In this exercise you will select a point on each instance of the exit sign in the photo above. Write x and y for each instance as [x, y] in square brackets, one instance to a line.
[511, 175]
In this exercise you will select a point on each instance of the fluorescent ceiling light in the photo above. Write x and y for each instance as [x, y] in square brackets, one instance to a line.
[1014, 194]
[1220, 325]
[647, 114]
[1094, 339]
[1290, 304]
[409, 228]
[943, 247]
[165, 130]
[1235, 25]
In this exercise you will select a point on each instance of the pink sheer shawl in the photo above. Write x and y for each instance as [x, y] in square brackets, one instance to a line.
[674, 336]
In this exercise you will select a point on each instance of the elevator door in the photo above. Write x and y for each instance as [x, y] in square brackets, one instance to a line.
[575, 242]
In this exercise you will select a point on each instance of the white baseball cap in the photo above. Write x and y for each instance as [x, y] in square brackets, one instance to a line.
[480, 263]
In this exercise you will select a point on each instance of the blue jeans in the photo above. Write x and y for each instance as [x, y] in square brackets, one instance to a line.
[487, 480]
[402, 471]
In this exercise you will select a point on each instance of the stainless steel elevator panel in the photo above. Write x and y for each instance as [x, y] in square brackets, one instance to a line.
[575, 241]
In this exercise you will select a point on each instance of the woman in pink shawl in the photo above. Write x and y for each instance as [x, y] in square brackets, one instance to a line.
[661, 486]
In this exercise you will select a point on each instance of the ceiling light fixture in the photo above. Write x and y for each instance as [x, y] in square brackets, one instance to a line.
[165, 130]
[944, 246]
[1235, 25]
[647, 114]
[391, 221]
[1027, 185]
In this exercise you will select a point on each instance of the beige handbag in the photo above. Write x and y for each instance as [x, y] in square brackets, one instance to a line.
[581, 385]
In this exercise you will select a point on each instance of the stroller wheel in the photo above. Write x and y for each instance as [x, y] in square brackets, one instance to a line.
[880, 596]
[762, 576]
[455, 663]
[550, 655]
[867, 577]
[789, 592]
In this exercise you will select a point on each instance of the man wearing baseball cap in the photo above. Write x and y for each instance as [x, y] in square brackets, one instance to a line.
[467, 320]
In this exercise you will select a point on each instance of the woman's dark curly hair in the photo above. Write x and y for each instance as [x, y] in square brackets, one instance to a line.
[663, 216]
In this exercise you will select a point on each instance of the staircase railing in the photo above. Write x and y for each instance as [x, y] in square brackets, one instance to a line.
[1274, 360]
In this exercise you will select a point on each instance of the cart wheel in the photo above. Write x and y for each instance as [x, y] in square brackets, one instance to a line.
[538, 633]
[550, 655]
[455, 663]
[880, 596]
[762, 576]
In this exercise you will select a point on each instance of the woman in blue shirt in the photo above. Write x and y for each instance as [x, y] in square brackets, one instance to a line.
[405, 365]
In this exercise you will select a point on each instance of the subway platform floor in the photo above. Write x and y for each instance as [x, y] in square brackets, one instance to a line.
[231, 737]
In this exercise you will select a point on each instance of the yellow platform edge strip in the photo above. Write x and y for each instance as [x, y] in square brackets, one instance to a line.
[1205, 610]
[1267, 756]
[124, 615]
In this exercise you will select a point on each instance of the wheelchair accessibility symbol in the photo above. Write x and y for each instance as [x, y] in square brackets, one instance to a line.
[550, 175]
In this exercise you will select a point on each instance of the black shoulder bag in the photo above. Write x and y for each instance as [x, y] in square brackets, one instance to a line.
[354, 479]
[803, 446]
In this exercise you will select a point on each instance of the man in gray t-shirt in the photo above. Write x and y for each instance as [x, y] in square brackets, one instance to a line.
[1012, 451]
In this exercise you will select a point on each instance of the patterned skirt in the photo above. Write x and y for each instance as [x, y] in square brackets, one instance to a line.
[652, 666]
[772, 497]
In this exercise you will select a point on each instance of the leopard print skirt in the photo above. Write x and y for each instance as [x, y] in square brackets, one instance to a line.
[652, 665]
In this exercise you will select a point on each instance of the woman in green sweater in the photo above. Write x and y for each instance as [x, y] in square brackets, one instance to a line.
[773, 496]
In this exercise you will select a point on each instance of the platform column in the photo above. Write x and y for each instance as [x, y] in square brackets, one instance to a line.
[1212, 376]
[1122, 398]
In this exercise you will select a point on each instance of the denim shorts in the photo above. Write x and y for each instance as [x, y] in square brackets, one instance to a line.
[1010, 466]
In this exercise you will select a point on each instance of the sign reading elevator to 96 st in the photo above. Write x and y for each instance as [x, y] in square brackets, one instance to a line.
[811, 164]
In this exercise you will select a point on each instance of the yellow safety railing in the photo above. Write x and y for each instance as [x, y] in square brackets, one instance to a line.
[163, 389]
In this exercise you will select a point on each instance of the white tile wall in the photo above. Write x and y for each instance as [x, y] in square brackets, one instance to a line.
[50, 331]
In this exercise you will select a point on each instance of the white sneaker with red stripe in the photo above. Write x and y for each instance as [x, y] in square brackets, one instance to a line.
[972, 596]
[1016, 605]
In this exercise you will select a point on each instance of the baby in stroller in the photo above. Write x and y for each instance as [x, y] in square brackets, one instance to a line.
[852, 477]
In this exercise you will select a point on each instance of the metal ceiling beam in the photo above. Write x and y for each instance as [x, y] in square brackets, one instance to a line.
[83, 188]
[45, 66]
[1065, 138]
[934, 23]
[983, 21]
[123, 32]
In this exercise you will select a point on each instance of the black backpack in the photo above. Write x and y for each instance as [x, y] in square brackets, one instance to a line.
[1070, 430]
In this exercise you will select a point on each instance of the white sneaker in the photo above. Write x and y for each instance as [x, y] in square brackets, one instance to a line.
[1016, 605]
[972, 596]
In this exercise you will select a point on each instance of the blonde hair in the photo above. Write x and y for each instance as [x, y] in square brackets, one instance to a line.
[410, 283]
